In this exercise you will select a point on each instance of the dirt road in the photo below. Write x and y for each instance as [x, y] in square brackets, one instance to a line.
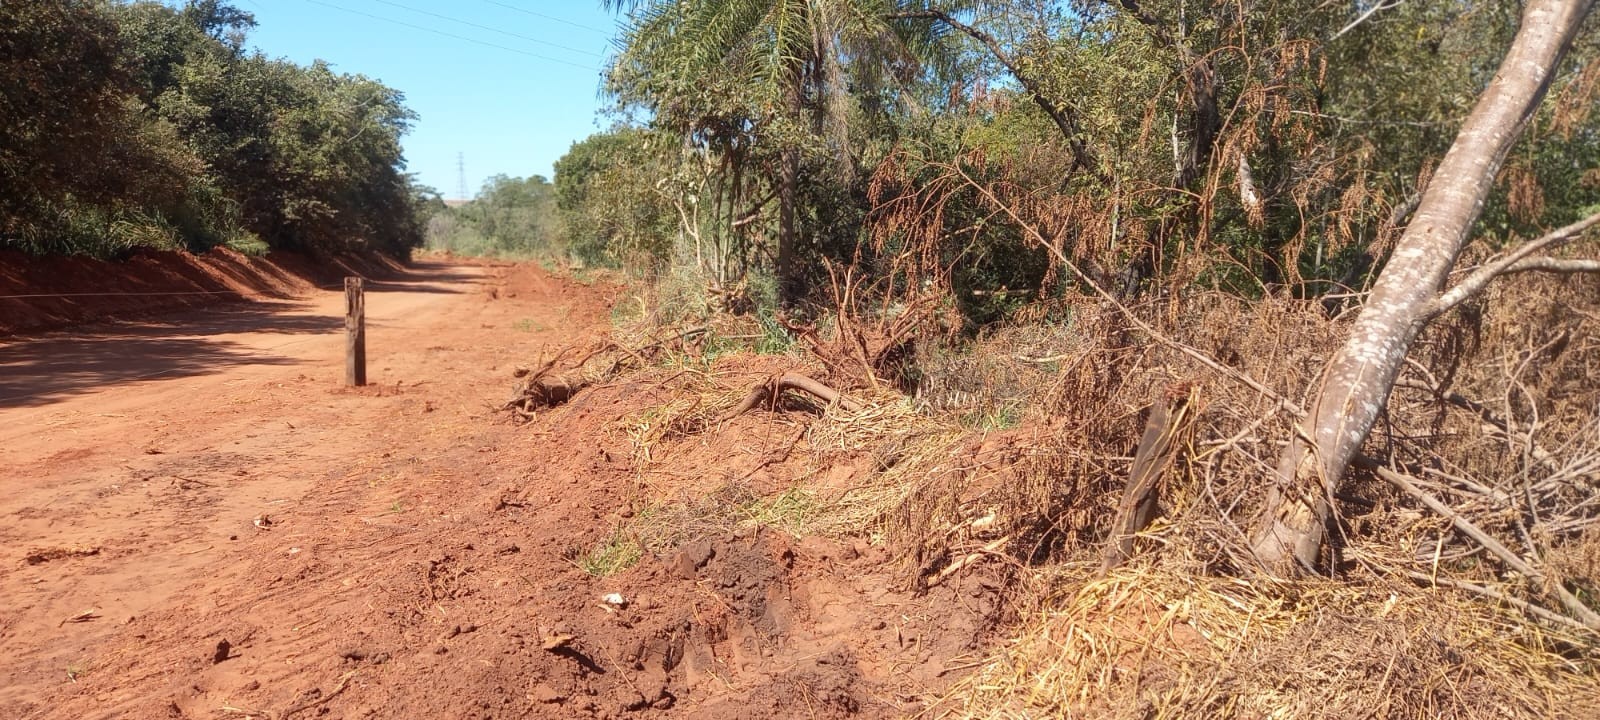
[199, 522]
[138, 457]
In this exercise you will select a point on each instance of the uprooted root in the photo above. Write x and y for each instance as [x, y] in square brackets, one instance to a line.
[546, 386]
[769, 391]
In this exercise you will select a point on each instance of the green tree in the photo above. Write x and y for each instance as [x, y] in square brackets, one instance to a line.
[753, 80]
[510, 216]
[126, 124]
[80, 164]
[607, 195]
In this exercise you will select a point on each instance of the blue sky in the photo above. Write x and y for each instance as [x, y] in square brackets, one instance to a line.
[511, 109]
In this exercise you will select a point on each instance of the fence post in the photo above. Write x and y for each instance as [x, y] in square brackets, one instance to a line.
[355, 329]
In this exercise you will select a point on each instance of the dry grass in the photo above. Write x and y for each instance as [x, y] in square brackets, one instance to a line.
[1016, 446]
[818, 438]
[1160, 642]
[1189, 630]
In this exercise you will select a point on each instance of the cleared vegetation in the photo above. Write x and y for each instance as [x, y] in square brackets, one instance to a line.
[1055, 290]
[1160, 359]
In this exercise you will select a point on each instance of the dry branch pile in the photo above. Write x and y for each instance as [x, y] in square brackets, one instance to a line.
[1109, 467]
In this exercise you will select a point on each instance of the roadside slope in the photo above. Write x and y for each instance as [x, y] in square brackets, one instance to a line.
[50, 292]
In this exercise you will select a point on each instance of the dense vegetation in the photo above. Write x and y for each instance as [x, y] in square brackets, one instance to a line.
[513, 217]
[137, 124]
[1266, 228]
[1017, 150]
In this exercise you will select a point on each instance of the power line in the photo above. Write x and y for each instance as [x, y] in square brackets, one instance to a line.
[452, 35]
[486, 27]
[549, 17]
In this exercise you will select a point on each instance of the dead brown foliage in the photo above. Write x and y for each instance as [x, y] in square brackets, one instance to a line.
[1009, 454]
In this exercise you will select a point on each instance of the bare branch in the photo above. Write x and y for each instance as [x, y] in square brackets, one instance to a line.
[1364, 16]
[1583, 613]
[1555, 265]
[1492, 594]
[1064, 116]
[1514, 262]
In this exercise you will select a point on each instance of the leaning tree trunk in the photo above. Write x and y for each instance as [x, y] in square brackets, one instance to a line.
[1357, 381]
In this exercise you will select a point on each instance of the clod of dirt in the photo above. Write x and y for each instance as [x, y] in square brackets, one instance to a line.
[45, 555]
[544, 694]
[691, 557]
[831, 681]
[353, 654]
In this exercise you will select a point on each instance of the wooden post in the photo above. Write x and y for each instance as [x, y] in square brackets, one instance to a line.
[355, 328]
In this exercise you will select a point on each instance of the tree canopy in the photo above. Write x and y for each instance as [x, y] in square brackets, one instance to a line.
[141, 124]
[1141, 146]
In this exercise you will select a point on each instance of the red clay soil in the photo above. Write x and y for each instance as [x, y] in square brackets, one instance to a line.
[46, 293]
[259, 542]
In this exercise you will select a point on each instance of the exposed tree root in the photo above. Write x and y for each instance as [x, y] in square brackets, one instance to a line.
[1163, 439]
[544, 386]
[769, 391]
[541, 387]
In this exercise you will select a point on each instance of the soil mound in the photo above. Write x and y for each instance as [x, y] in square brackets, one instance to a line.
[51, 292]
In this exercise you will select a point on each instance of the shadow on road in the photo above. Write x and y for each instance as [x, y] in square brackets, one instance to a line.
[50, 369]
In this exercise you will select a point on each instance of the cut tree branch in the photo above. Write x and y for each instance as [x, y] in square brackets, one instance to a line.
[1521, 259]
[1583, 613]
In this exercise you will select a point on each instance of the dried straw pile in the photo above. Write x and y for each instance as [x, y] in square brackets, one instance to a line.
[1153, 641]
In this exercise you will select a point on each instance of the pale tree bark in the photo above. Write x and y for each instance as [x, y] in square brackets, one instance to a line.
[1356, 382]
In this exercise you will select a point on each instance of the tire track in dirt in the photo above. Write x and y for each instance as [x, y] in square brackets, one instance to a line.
[135, 490]
[430, 575]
